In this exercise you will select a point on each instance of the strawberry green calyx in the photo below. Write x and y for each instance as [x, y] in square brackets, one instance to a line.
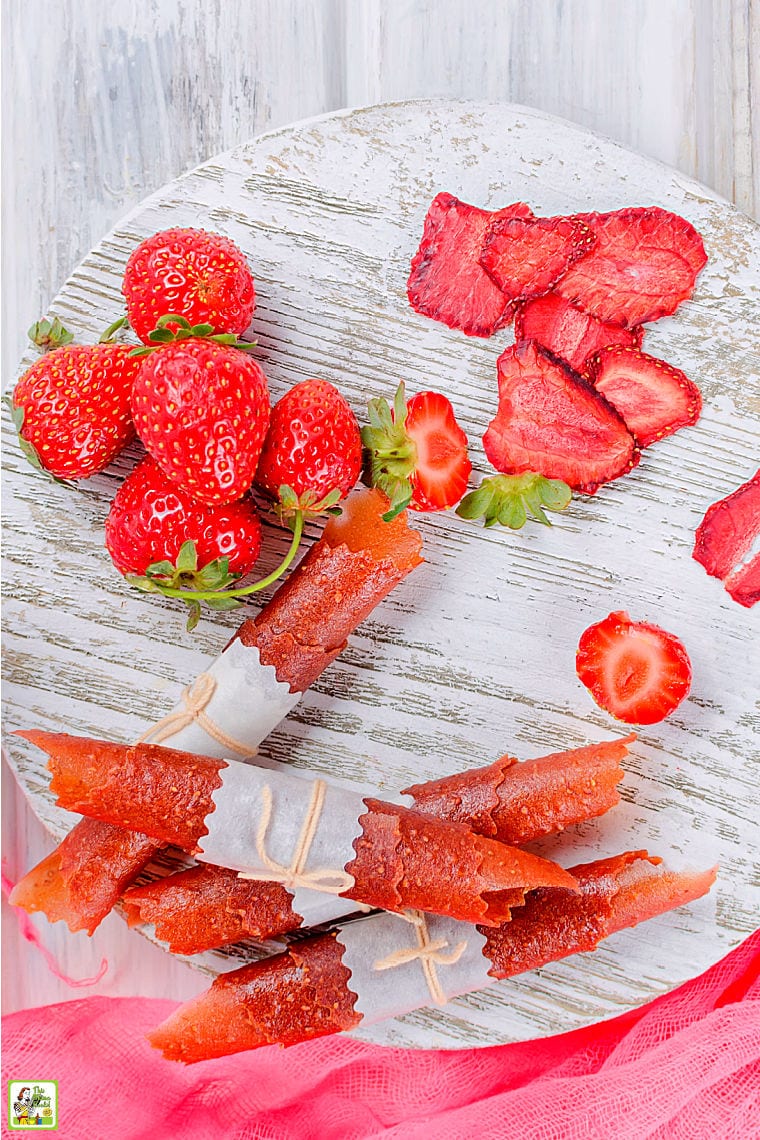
[211, 583]
[48, 335]
[109, 336]
[508, 500]
[392, 451]
[289, 505]
[162, 334]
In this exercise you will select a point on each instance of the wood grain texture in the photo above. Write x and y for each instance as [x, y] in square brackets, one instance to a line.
[472, 656]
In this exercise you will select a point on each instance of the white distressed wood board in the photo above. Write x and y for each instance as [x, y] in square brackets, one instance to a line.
[474, 654]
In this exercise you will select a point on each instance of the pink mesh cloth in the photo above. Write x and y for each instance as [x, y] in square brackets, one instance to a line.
[686, 1067]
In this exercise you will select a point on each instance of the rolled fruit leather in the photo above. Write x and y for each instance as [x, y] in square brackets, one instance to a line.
[207, 906]
[357, 561]
[324, 843]
[382, 966]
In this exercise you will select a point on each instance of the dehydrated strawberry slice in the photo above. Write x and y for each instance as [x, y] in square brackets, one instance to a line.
[552, 421]
[654, 398]
[644, 263]
[527, 256]
[744, 584]
[568, 332]
[447, 281]
[728, 529]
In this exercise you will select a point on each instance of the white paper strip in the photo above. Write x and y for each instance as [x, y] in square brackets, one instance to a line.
[242, 802]
[372, 942]
[238, 699]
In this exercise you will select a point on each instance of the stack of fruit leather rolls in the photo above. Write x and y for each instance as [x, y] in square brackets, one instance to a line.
[328, 846]
[209, 906]
[269, 663]
[385, 965]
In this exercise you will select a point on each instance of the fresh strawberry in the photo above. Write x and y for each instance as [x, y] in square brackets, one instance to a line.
[447, 281]
[568, 332]
[202, 276]
[637, 672]
[654, 398]
[151, 518]
[644, 263]
[553, 422]
[312, 446]
[418, 452]
[71, 408]
[728, 530]
[202, 410]
[527, 256]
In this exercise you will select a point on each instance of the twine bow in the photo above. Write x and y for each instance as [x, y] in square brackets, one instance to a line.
[319, 879]
[429, 953]
[195, 698]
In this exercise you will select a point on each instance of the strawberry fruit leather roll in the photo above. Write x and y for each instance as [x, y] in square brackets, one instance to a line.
[402, 859]
[347, 572]
[515, 802]
[305, 992]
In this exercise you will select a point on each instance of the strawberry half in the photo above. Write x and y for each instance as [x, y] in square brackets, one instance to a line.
[418, 452]
[552, 421]
[447, 281]
[72, 408]
[199, 275]
[644, 263]
[728, 529]
[313, 445]
[568, 332]
[654, 398]
[636, 671]
[527, 256]
[202, 410]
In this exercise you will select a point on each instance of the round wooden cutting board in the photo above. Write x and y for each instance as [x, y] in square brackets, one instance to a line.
[473, 655]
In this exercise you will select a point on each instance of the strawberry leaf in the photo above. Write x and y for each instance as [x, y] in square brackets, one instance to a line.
[507, 500]
[47, 334]
[187, 559]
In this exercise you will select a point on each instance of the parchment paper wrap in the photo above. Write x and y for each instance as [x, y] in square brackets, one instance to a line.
[234, 824]
[390, 992]
[246, 702]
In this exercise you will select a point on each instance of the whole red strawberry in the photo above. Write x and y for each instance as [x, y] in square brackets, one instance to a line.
[202, 411]
[151, 518]
[71, 408]
[201, 276]
[418, 452]
[313, 445]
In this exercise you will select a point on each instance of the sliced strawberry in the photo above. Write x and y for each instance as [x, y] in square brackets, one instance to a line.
[447, 281]
[744, 584]
[567, 331]
[636, 671]
[644, 263]
[654, 398]
[418, 452]
[728, 529]
[552, 421]
[527, 256]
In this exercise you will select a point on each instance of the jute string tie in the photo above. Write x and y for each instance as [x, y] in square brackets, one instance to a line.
[318, 879]
[428, 952]
[195, 698]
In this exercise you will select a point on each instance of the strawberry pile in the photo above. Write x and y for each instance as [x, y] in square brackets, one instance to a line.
[578, 399]
[184, 523]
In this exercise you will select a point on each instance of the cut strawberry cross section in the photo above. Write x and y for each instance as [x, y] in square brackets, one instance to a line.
[654, 398]
[527, 256]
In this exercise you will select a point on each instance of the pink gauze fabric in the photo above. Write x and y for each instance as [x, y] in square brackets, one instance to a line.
[686, 1067]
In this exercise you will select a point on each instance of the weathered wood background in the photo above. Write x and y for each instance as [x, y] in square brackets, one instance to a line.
[113, 106]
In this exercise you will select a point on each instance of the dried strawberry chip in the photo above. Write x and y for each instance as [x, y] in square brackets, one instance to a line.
[568, 332]
[728, 529]
[744, 584]
[552, 421]
[644, 263]
[654, 398]
[447, 281]
[527, 256]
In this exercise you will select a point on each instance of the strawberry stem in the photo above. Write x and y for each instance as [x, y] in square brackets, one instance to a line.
[109, 335]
